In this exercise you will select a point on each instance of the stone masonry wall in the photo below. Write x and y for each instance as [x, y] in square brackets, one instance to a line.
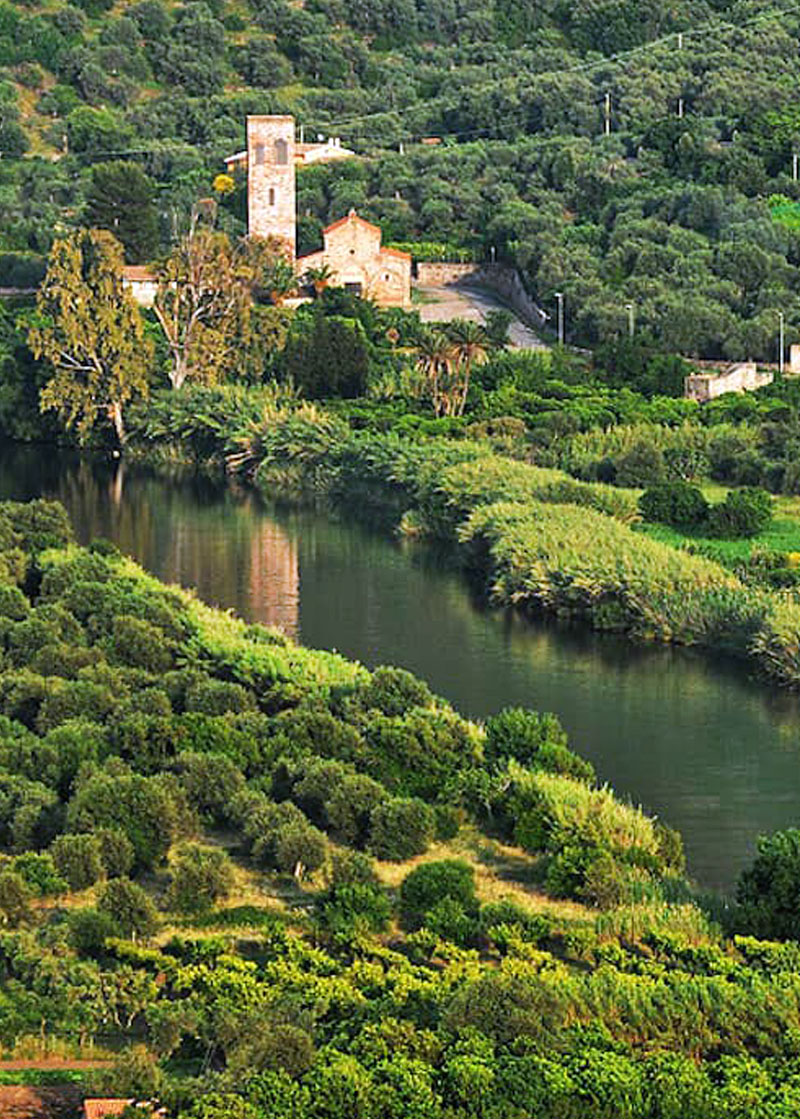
[500, 278]
[271, 193]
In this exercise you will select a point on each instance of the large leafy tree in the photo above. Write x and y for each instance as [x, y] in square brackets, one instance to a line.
[89, 330]
[203, 299]
[120, 199]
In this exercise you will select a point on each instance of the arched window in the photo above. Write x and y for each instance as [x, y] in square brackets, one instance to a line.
[281, 153]
[259, 154]
[272, 196]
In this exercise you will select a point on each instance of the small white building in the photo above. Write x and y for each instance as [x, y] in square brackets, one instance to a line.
[141, 283]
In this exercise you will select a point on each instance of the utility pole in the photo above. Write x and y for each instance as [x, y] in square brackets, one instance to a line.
[560, 297]
[401, 149]
[607, 115]
[781, 320]
[680, 108]
[794, 166]
[302, 133]
[680, 40]
[630, 309]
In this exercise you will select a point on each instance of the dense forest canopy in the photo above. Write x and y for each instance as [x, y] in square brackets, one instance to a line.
[687, 207]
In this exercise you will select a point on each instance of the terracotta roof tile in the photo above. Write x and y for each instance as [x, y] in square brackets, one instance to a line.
[138, 272]
[101, 1108]
[352, 216]
[396, 252]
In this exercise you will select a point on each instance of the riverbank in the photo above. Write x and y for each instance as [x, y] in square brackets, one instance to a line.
[538, 539]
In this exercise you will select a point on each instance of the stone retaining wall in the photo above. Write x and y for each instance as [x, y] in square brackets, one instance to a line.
[499, 278]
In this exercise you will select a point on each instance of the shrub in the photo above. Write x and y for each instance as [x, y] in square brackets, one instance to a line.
[129, 907]
[89, 929]
[642, 465]
[349, 808]
[767, 892]
[211, 782]
[745, 512]
[116, 852]
[300, 849]
[427, 885]
[142, 807]
[39, 524]
[76, 699]
[674, 503]
[519, 733]
[401, 828]
[201, 877]
[41, 874]
[140, 644]
[218, 697]
[556, 758]
[15, 897]
[78, 859]
[347, 909]
[13, 603]
[393, 691]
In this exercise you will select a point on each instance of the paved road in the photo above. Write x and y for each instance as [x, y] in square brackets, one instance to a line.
[443, 304]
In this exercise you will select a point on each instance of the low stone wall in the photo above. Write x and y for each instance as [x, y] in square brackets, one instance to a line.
[437, 274]
[499, 278]
[743, 377]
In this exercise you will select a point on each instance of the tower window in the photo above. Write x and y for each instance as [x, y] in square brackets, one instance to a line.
[281, 153]
[259, 154]
[272, 196]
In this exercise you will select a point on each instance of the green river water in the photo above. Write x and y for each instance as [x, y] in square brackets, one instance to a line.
[691, 739]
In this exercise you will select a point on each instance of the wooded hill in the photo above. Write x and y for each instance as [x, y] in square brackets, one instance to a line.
[691, 217]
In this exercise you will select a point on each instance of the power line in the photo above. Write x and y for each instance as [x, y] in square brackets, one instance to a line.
[677, 40]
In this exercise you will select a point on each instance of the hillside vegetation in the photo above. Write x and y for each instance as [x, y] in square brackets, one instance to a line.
[692, 218]
[279, 885]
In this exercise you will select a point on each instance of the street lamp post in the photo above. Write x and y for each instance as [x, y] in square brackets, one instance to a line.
[560, 298]
[629, 308]
[781, 320]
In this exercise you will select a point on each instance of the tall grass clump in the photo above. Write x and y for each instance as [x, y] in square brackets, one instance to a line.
[552, 811]
[578, 563]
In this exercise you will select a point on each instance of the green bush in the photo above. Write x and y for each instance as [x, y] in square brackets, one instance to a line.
[426, 886]
[401, 828]
[140, 644]
[78, 859]
[767, 892]
[129, 907]
[201, 876]
[674, 503]
[116, 852]
[519, 733]
[745, 512]
[42, 874]
[39, 524]
[219, 697]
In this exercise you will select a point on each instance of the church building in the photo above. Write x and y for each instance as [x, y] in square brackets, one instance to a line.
[352, 247]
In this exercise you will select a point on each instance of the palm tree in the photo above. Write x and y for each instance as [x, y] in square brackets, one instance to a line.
[319, 278]
[470, 346]
[280, 281]
[435, 360]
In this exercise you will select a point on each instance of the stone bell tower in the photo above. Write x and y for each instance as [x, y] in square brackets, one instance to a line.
[271, 194]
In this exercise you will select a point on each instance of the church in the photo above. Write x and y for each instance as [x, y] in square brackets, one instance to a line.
[352, 247]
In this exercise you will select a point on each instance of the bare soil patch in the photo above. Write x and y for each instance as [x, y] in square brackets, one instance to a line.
[61, 1102]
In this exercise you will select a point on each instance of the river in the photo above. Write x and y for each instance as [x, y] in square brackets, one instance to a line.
[692, 739]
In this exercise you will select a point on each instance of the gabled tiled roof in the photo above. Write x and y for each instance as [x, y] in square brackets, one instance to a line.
[352, 217]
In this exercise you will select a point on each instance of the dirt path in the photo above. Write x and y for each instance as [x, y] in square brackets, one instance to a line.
[62, 1063]
[62, 1102]
[443, 304]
